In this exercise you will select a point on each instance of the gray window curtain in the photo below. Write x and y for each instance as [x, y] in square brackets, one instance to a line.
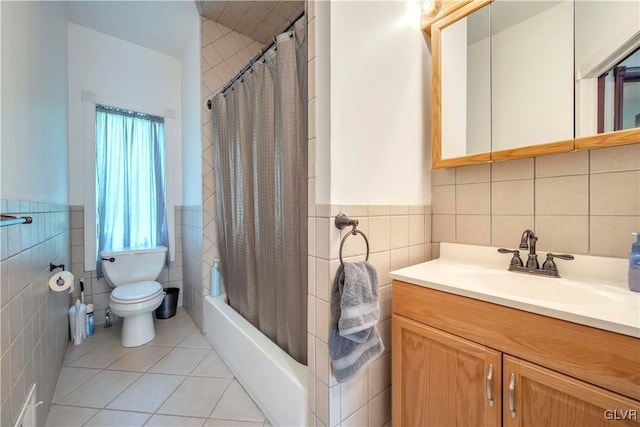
[260, 150]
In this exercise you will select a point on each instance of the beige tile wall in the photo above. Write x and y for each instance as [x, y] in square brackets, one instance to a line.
[224, 53]
[585, 202]
[398, 236]
[33, 320]
[97, 290]
[192, 262]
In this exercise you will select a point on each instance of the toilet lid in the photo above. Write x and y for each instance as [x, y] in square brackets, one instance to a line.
[136, 291]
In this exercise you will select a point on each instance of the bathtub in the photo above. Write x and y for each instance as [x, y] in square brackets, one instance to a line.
[276, 382]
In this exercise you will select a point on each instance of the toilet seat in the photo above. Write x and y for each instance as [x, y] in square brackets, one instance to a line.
[136, 293]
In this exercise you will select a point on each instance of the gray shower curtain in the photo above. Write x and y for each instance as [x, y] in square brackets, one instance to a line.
[260, 150]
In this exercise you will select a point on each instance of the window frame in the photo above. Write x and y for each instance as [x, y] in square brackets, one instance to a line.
[173, 161]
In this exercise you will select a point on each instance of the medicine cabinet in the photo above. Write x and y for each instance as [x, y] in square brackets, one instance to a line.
[518, 78]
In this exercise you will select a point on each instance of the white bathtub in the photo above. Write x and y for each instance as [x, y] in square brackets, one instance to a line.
[276, 382]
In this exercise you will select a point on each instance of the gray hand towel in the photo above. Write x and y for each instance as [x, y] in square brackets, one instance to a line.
[353, 338]
[359, 305]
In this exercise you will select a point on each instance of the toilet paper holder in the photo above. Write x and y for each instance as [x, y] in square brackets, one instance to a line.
[52, 266]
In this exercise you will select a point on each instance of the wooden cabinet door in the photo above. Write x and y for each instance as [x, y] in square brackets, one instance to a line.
[541, 397]
[441, 380]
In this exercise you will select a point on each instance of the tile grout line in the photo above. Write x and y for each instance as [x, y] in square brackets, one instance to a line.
[141, 374]
[220, 398]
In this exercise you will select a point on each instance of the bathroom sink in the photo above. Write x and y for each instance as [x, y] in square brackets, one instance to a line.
[591, 290]
[536, 289]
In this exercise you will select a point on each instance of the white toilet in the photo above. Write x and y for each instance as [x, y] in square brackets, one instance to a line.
[136, 294]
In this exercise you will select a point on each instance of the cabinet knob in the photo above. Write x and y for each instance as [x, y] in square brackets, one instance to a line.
[489, 385]
[512, 398]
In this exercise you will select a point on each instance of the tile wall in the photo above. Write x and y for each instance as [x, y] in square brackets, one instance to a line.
[192, 262]
[584, 202]
[224, 53]
[398, 236]
[97, 291]
[33, 320]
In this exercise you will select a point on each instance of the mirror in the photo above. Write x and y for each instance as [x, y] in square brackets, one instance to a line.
[466, 85]
[531, 73]
[461, 86]
[551, 84]
[607, 58]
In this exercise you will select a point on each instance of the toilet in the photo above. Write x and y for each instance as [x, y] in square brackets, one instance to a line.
[136, 294]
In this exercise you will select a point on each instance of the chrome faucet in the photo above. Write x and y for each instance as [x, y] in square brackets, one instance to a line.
[528, 241]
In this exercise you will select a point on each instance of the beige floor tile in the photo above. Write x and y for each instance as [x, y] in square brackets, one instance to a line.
[101, 356]
[140, 359]
[170, 336]
[179, 361]
[147, 393]
[76, 351]
[235, 404]
[212, 366]
[195, 397]
[107, 418]
[131, 397]
[68, 416]
[196, 340]
[100, 390]
[215, 422]
[70, 378]
[173, 421]
[180, 320]
[106, 335]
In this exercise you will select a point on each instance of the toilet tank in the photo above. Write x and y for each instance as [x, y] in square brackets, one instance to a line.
[133, 265]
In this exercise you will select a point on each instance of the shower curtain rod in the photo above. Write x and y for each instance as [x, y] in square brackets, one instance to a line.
[256, 57]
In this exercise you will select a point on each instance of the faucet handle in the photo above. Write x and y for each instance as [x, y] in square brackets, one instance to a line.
[560, 256]
[550, 264]
[516, 260]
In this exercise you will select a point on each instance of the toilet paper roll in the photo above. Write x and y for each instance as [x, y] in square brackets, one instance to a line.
[61, 282]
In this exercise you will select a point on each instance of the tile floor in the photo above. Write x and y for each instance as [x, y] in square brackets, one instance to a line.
[175, 380]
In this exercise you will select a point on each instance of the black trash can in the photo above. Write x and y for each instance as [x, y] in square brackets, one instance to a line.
[169, 304]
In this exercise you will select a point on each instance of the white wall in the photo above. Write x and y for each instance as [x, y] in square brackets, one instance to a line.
[320, 107]
[453, 83]
[479, 97]
[533, 60]
[379, 112]
[122, 74]
[601, 27]
[33, 143]
[191, 131]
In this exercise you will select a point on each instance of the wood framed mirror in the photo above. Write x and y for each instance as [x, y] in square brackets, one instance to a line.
[506, 82]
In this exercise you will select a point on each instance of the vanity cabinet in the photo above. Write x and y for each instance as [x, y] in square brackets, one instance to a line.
[460, 361]
[544, 397]
[442, 379]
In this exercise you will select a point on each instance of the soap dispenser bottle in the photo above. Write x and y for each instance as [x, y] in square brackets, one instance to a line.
[634, 265]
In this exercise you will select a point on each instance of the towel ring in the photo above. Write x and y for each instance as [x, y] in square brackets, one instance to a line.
[354, 231]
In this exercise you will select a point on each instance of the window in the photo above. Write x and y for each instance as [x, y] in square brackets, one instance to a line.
[619, 95]
[130, 180]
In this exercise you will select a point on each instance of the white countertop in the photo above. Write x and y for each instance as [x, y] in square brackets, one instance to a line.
[593, 290]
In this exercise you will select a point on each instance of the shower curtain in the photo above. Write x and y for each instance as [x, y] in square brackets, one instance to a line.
[260, 151]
